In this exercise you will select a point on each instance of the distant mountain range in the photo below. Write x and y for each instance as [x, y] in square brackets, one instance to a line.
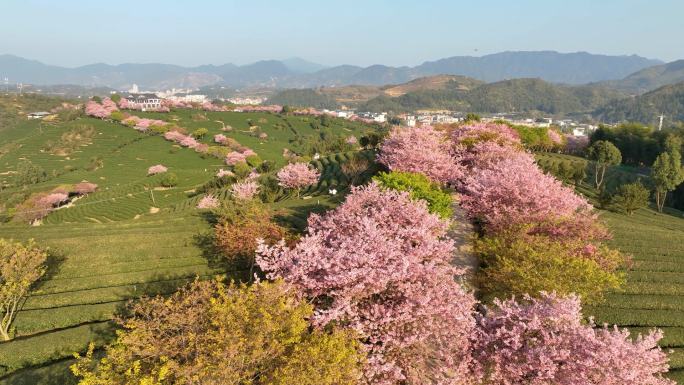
[570, 68]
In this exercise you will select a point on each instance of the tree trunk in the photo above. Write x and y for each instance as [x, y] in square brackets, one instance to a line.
[251, 270]
[596, 175]
[661, 202]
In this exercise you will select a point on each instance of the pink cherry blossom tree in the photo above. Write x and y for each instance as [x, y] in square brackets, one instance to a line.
[207, 202]
[158, 169]
[223, 172]
[297, 175]
[515, 190]
[557, 138]
[544, 341]
[245, 190]
[53, 200]
[235, 157]
[174, 136]
[576, 144]
[379, 264]
[84, 188]
[188, 141]
[421, 150]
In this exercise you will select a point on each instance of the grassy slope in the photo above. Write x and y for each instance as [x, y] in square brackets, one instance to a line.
[112, 245]
[654, 293]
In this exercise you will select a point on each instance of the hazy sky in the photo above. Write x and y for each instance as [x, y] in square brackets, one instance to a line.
[396, 33]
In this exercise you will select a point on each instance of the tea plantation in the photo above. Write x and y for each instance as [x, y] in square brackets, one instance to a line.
[133, 237]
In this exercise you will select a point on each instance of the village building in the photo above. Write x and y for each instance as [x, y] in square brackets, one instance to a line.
[146, 100]
[38, 115]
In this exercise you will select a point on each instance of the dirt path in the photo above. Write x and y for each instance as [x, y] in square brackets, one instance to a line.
[462, 233]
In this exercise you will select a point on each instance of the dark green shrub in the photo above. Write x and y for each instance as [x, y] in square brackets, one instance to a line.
[266, 167]
[28, 173]
[159, 129]
[170, 180]
[199, 134]
[241, 170]
[420, 187]
[254, 160]
[632, 196]
[116, 115]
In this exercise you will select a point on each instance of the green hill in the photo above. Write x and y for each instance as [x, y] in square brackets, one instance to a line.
[134, 237]
[353, 96]
[667, 101]
[14, 108]
[516, 95]
[304, 98]
[648, 79]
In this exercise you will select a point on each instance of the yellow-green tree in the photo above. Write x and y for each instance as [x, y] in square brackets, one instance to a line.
[211, 333]
[20, 267]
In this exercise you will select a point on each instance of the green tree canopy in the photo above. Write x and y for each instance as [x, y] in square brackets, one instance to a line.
[632, 196]
[667, 173]
[603, 153]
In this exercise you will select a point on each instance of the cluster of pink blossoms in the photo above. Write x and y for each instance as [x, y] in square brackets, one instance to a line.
[239, 156]
[101, 111]
[421, 150]
[158, 169]
[223, 173]
[576, 144]
[244, 190]
[502, 185]
[275, 109]
[84, 188]
[379, 264]
[176, 104]
[297, 175]
[65, 108]
[207, 202]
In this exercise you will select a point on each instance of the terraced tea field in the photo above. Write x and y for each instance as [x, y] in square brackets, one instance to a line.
[132, 237]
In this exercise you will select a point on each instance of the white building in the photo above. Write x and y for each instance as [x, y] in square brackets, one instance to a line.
[38, 115]
[195, 98]
[146, 100]
[134, 89]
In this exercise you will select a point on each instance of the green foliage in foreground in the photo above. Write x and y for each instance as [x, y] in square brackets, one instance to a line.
[438, 198]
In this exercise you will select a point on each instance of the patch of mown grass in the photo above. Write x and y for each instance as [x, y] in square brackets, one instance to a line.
[21, 353]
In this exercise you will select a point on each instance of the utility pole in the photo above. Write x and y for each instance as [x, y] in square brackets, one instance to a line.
[20, 86]
[7, 86]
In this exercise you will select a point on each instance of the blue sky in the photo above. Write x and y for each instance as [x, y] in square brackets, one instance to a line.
[399, 32]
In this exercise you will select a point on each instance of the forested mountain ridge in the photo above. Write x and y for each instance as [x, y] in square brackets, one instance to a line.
[516, 95]
[354, 96]
[667, 101]
[648, 79]
[570, 68]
